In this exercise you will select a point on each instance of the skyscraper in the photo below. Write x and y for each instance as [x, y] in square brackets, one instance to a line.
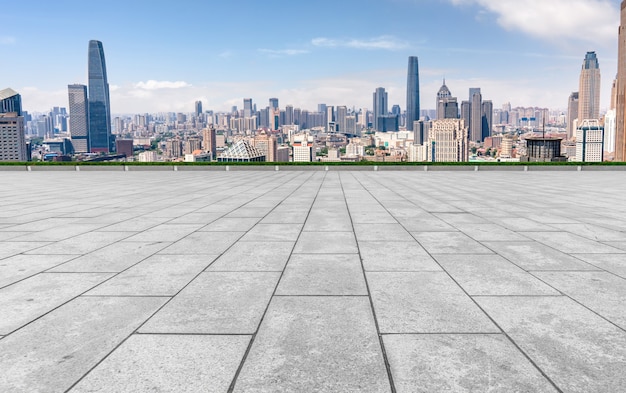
[476, 115]
[589, 92]
[380, 105]
[99, 102]
[198, 108]
[620, 135]
[412, 94]
[342, 113]
[572, 114]
[487, 119]
[466, 112]
[447, 106]
[12, 139]
[447, 141]
[10, 102]
[247, 107]
[273, 103]
[79, 117]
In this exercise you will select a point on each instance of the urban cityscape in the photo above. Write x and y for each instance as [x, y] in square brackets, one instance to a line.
[390, 196]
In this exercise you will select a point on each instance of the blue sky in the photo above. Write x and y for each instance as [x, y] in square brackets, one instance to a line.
[164, 55]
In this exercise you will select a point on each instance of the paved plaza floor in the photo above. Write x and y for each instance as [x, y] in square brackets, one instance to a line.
[312, 281]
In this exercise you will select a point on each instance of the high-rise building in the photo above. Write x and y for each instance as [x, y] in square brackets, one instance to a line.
[330, 118]
[303, 145]
[572, 113]
[447, 106]
[99, 102]
[342, 113]
[589, 92]
[476, 115]
[590, 141]
[614, 94]
[209, 142]
[323, 109]
[610, 126]
[466, 112]
[289, 115]
[487, 119]
[79, 118]
[620, 134]
[267, 145]
[274, 103]
[380, 104]
[247, 107]
[412, 94]
[447, 141]
[198, 108]
[10, 102]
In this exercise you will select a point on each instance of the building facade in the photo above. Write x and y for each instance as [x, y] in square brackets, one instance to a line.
[572, 113]
[12, 140]
[590, 141]
[620, 137]
[589, 91]
[99, 101]
[79, 117]
[380, 105]
[447, 141]
[10, 102]
[476, 115]
[209, 141]
[303, 147]
[412, 93]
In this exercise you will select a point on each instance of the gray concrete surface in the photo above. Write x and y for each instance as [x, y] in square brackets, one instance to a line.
[312, 281]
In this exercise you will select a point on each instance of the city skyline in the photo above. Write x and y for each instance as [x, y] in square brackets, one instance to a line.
[157, 69]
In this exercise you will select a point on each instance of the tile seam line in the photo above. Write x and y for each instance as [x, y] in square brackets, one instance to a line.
[164, 304]
[381, 342]
[472, 299]
[233, 383]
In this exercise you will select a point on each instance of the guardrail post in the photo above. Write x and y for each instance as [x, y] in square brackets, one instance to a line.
[227, 168]
[580, 168]
[525, 168]
[276, 168]
[29, 169]
[175, 168]
[77, 168]
[125, 168]
[375, 168]
[476, 168]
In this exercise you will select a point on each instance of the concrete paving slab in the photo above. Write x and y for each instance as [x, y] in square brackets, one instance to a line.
[381, 232]
[613, 263]
[211, 243]
[602, 292]
[27, 300]
[226, 224]
[62, 233]
[461, 363]
[53, 353]
[578, 350]
[19, 267]
[489, 232]
[81, 244]
[593, 232]
[12, 248]
[217, 303]
[273, 233]
[158, 275]
[425, 302]
[537, 256]
[254, 256]
[570, 243]
[392, 256]
[427, 223]
[316, 344]
[113, 258]
[492, 275]
[321, 222]
[165, 233]
[168, 363]
[326, 243]
[449, 243]
[328, 275]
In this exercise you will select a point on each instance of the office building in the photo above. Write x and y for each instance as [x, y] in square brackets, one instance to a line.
[447, 141]
[267, 145]
[10, 102]
[192, 144]
[447, 106]
[123, 147]
[589, 91]
[303, 146]
[620, 133]
[79, 117]
[487, 119]
[572, 114]
[610, 126]
[289, 115]
[242, 151]
[209, 143]
[198, 108]
[476, 115]
[342, 113]
[590, 141]
[12, 140]
[247, 107]
[274, 103]
[412, 94]
[539, 149]
[387, 123]
[174, 148]
[466, 112]
[99, 102]
[380, 105]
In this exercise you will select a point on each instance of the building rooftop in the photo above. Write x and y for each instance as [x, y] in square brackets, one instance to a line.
[7, 93]
[312, 281]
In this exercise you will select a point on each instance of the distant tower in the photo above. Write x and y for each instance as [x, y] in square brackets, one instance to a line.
[412, 94]
[589, 92]
[79, 118]
[466, 112]
[620, 136]
[12, 139]
[487, 119]
[342, 113]
[273, 103]
[447, 106]
[99, 102]
[572, 114]
[476, 115]
[380, 105]
[198, 108]
[247, 107]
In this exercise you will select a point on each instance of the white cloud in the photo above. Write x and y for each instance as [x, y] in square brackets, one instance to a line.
[284, 52]
[586, 21]
[225, 55]
[155, 85]
[382, 42]
[7, 40]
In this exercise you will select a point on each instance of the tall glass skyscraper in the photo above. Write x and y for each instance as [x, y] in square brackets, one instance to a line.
[79, 117]
[412, 93]
[589, 92]
[99, 103]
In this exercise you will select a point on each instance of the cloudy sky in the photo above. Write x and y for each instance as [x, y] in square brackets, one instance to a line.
[164, 55]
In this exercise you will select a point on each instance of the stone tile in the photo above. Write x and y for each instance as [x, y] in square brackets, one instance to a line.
[381, 232]
[11, 248]
[225, 224]
[316, 344]
[217, 303]
[248, 211]
[522, 224]
[536, 256]
[318, 222]
[593, 232]
[461, 363]
[165, 363]
[461, 218]
[614, 263]
[326, 243]
[61, 233]
[602, 292]
[165, 233]
[396, 256]
[159, 275]
[570, 243]
[450, 243]
[27, 300]
[577, 349]
[371, 216]
[211, 243]
[281, 216]
[428, 223]
[618, 245]
[4, 236]
[492, 275]
[273, 233]
[54, 352]
[196, 218]
[425, 302]
[489, 232]
[254, 256]
[82, 244]
[114, 258]
[337, 275]
[136, 224]
[19, 267]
